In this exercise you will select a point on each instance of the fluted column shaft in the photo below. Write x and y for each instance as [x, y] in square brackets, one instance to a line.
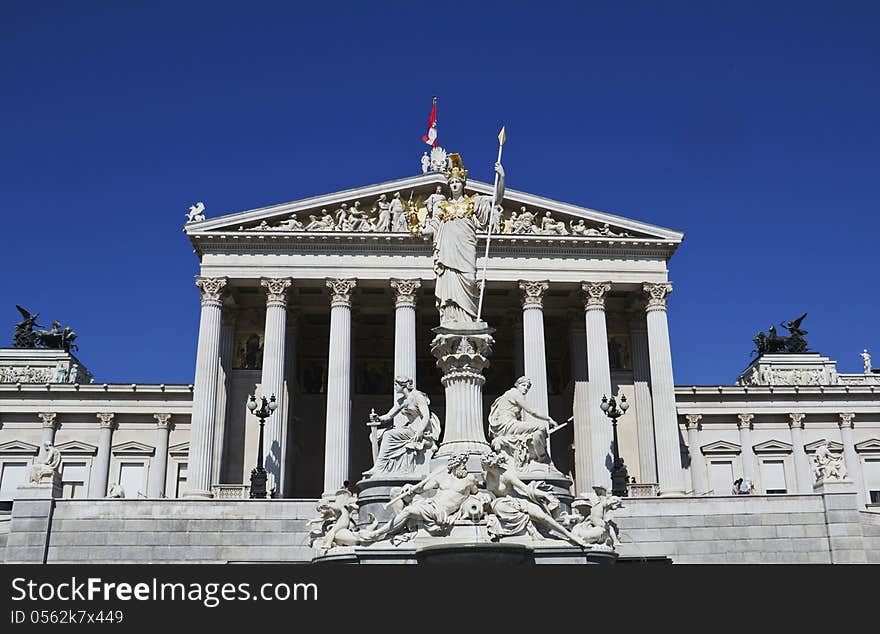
[583, 464]
[643, 405]
[338, 426]
[534, 352]
[519, 367]
[221, 414]
[749, 461]
[699, 475]
[802, 471]
[101, 466]
[599, 384]
[50, 426]
[669, 472]
[404, 331]
[202, 428]
[272, 378]
[850, 456]
[159, 468]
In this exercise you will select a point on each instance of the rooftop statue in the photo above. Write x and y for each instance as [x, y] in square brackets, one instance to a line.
[793, 343]
[453, 228]
[866, 360]
[57, 338]
[196, 213]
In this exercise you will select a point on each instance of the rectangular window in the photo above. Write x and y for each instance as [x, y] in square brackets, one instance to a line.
[721, 477]
[773, 475]
[181, 479]
[872, 479]
[131, 479]
[13, 474]
[73, 479]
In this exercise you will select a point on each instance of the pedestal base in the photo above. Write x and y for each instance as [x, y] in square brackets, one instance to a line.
[376, 491]
[45, 490]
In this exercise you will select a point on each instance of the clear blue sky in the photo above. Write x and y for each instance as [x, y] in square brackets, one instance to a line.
[751, 126]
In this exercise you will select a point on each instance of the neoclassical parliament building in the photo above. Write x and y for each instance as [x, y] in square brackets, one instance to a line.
[322, 302]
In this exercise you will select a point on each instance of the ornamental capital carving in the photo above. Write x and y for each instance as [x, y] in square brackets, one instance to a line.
[533, 293]
[341, 290]
[212, 289]
[163, 421]
[657, 294]
[846, 420]
[405, 296]
[745, 420]
[105, 419]
[796, 420]
[49, 419]
[693, 420]
[594, 294]
[276, 290]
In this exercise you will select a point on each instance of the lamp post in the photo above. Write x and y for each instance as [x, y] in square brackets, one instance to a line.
[258, 475]
[619, 475]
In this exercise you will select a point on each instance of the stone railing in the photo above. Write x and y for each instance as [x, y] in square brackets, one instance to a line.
[860, 379]
[648, 490]
[231, 491]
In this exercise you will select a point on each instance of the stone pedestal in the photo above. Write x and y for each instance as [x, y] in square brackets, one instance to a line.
[31, 521]
[462, 353]
[845, 536]
[374, 492]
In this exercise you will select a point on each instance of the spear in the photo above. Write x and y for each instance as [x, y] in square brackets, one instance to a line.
[502, 137]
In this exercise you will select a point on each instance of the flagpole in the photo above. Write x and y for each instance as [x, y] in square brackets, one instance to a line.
[502, 137]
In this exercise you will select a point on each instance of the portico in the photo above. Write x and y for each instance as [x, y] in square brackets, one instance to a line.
[326, 319]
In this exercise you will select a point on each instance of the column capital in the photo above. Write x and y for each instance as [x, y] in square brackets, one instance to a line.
[594, 294]
[49, 419]
[693, 420]
[745, 420]
[533, 293]
[163, 421]
[212, 290]
[341, 290]
[276, 290]
[657, 294]
[105, 419]
[846, 420]
[796, 420]
[405, 295]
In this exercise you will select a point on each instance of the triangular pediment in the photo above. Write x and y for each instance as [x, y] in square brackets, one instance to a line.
[77, 447]
[835, 446]
[721, 447]
[180, 450]
[872, 445]
[772, 446]
[304, 216]
[19, 448]
[133, 448]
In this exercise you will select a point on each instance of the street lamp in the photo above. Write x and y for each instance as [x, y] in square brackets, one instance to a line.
[619, 475]
[258, 475]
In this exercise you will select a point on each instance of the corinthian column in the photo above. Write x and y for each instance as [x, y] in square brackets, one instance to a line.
[669, 474]
[50, 425]
[599, 384]
[202, 429]
[221, 415]
[850, 457]
[272, 378]
[404, 330]
[643, 406]
[699, 476]
[101, 467]
[534, 353]
[583, 465]
[159, 468]
[802, 472]
[338, 426]
[750, 465]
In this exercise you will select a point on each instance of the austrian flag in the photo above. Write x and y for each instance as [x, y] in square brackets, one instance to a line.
[431, 137]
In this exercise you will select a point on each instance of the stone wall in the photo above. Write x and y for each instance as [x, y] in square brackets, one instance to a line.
[179, 531]
[721, 529]
[736, 529]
